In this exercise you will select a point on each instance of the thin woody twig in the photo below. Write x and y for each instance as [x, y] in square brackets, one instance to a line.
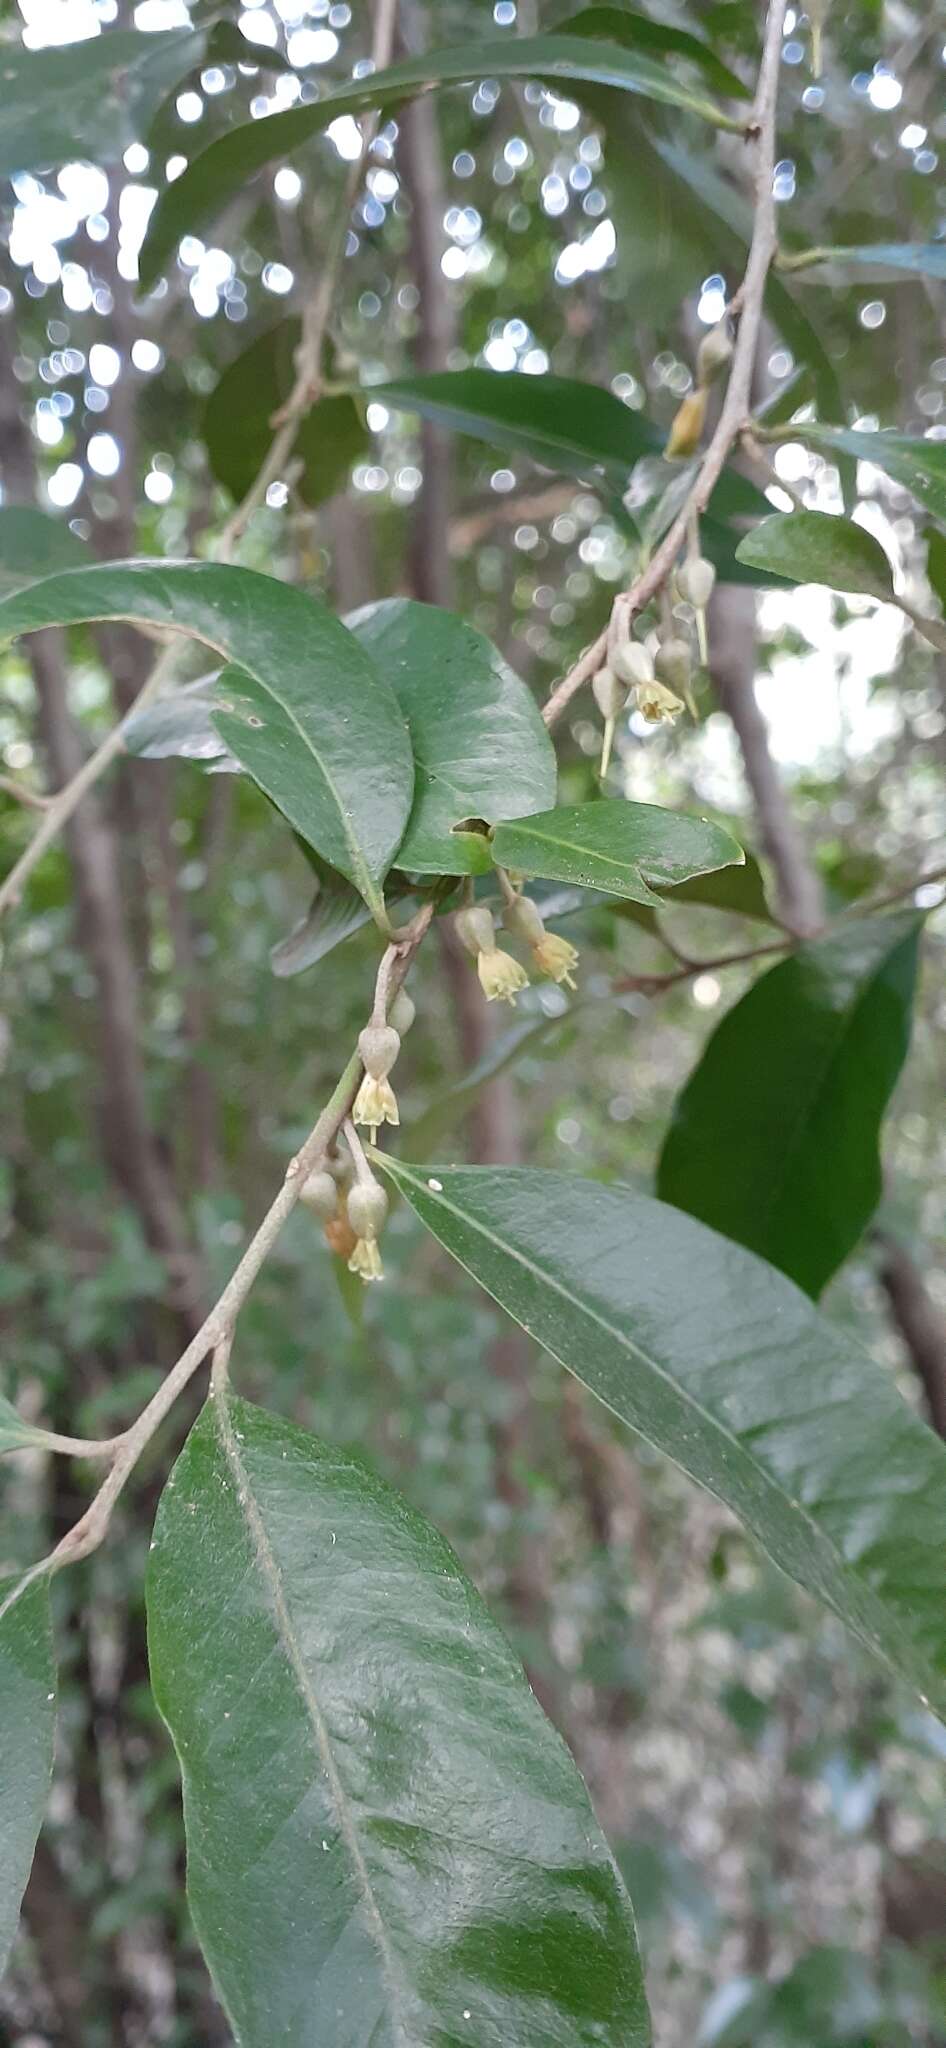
[734, 416]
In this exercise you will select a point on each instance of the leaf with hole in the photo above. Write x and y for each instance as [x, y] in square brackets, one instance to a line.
[781, 1152]
[723, 1364]
[817, 547]
[383, 1830]
[621, 848]
[89, 99]
[27, 1736]
[480, 747]
[308, 714]
[239, 413]
[212, 178]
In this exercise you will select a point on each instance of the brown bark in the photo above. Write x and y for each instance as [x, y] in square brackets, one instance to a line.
[918, 1324]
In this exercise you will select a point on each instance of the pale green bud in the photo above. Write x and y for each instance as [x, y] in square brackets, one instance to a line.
[320, 1194]
[715, 351]
[475, 929]
[523, 920]
[674, 665]
[367, 1208]
[695, 582]
[378, 1047]
[632, 663]
[610, 693]
[402, 1012]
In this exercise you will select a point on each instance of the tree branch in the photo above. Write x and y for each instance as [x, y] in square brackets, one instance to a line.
[734, 415]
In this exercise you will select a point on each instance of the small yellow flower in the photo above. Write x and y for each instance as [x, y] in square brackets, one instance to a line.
[557, 958]
[657, 704]
[366, 1259]
[501, 977]
[375, 1104]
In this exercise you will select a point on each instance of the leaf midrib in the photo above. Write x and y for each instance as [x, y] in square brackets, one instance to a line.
[272, 1576]
[684, 1394]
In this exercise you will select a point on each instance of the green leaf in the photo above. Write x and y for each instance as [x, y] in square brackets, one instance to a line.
[918, 464]
[936, 563]
[780, 1150]
[816, 547]
[197, 196]
[310, 718]
[238, 421]
[33, 544]
[740, 890]
[724, 1365]
[27, 1735]
[570, 427]
[614, 846]
[480, 747]
[638, 32]
[386, 1839]
[88, 99]
[920, 259]
[566, 425]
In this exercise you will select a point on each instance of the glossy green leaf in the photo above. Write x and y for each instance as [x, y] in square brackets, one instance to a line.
[566, 425]
[571, 428]
[729, 1369]
[33, 544]
[239, 414]
[774, 1140]
[480, 747]
[310, 717]
[334, 915]
[740, 891]
[816, 547]
[621, 848]
[224, 167]
[27, 1736]
[635, 31]
[918, 464]
[387, 1842]
[88, 99]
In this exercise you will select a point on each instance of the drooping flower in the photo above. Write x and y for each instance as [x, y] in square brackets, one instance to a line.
[658, 704]
[556, 958]
[375, 1104]
[501, 977]
[367, 1210]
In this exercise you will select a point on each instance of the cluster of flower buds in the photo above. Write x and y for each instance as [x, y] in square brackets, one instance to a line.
[501, 977]
[658, 686]
[378, 1046]
[552, 956]
[353, 1216]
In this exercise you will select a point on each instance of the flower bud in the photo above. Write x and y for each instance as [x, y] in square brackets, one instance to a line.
[715, 351]
[556, 957]
[475, 928]
[378, 1047]
[320, 1194]
[402, 1012]
[695, 582]
[658, 705]
[674, 665]
[610, 693]
[501, 977]
[632, 663]
[686, 431]
[367, 1208]
[524, 921]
